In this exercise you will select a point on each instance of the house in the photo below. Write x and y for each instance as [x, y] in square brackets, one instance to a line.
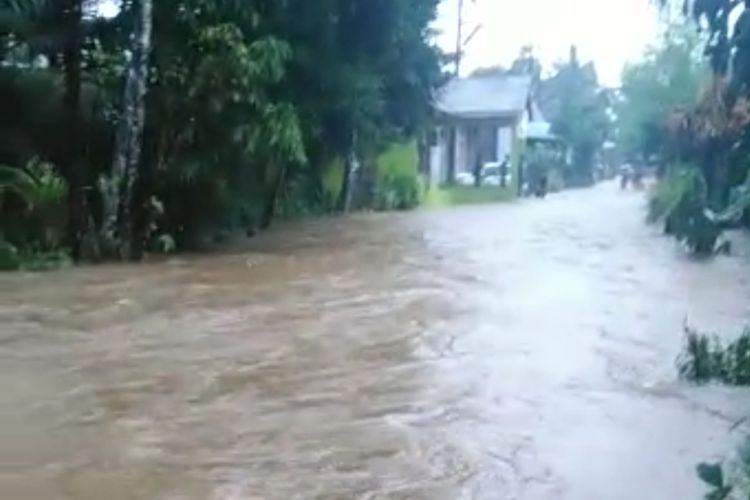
[481, 119]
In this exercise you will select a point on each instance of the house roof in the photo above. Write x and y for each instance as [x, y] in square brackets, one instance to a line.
[485, 96]
[540, 131]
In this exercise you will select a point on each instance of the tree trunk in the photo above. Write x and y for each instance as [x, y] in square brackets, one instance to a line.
[72, 13]
[117, 189]
[345, 195]
[269, 208]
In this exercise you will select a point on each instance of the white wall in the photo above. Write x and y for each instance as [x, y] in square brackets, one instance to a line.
[504, 142]
[462, 154]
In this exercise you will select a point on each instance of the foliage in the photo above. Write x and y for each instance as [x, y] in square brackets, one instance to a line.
[726, 44]
[739, 203]
[706, 358]
[31, 259]
[666, 194]
[398, 192]
[35, 259]
[666, 80]
[578, 110]
[679, 201]
[716, 126]
[165, 244]
[544, 161]
[247, 104]
[398, 185]
[9, 260]
[332, 177]
[37, 184]
[713, 476]
[32, 205]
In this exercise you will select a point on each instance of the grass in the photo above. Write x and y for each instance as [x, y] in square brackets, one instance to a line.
[706, 358]
[398, 163]
[467, 195]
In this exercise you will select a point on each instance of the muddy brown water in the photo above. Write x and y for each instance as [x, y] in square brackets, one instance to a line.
[521, 351]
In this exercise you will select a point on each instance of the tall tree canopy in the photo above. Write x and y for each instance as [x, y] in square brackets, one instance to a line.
[247, 104]
[666, 81]
[577, 106]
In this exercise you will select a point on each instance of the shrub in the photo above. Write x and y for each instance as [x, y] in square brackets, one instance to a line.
[398, 185]
[398, 192]
[31, 259]
[9, 260]
[666, 194]
[706, 358]
[713, 476]
[39, 219]
[679, 201]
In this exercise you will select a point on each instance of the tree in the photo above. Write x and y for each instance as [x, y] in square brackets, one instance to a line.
[577, 107]
[370, 72]
[717, 122]
[72, 14]
[527, 64]
[232, 116]
[117, 188]
[666, 81]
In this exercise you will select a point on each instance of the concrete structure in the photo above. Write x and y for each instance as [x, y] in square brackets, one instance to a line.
[481, 119]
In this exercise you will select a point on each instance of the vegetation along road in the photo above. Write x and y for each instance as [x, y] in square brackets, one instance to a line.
[512, 351]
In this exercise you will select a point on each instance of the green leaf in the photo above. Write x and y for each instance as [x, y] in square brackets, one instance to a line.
[720, 494]
[711, 474]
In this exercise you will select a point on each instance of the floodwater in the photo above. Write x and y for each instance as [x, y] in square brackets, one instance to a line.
[521, 351]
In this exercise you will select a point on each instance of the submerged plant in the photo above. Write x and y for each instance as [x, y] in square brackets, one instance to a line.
[706, 358]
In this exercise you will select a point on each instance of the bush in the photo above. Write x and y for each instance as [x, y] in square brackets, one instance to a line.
[34, 211]
[43, 260]
[398, 192]
[31, 259]
[9, 260]
[679, 201]
[713, 476]
[679, 182]
[705, 358]
[397, 184]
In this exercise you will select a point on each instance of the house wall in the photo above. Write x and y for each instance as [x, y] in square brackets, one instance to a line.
[489, 140]
[505, 140]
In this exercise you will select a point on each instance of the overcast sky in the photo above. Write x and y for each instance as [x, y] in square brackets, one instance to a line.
[609, 32]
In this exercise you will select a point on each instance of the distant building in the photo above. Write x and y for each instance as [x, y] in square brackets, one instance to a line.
[481, 119]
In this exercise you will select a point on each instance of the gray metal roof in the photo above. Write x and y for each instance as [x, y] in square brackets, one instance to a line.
[484, 96]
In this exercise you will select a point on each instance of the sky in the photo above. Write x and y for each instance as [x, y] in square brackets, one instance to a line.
[607, 32]
[108, 8]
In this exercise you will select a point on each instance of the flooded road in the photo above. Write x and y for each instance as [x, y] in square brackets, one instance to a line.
[520, 351]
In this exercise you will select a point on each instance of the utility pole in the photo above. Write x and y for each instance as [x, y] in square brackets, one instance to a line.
[460, 37]
[462, 42]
